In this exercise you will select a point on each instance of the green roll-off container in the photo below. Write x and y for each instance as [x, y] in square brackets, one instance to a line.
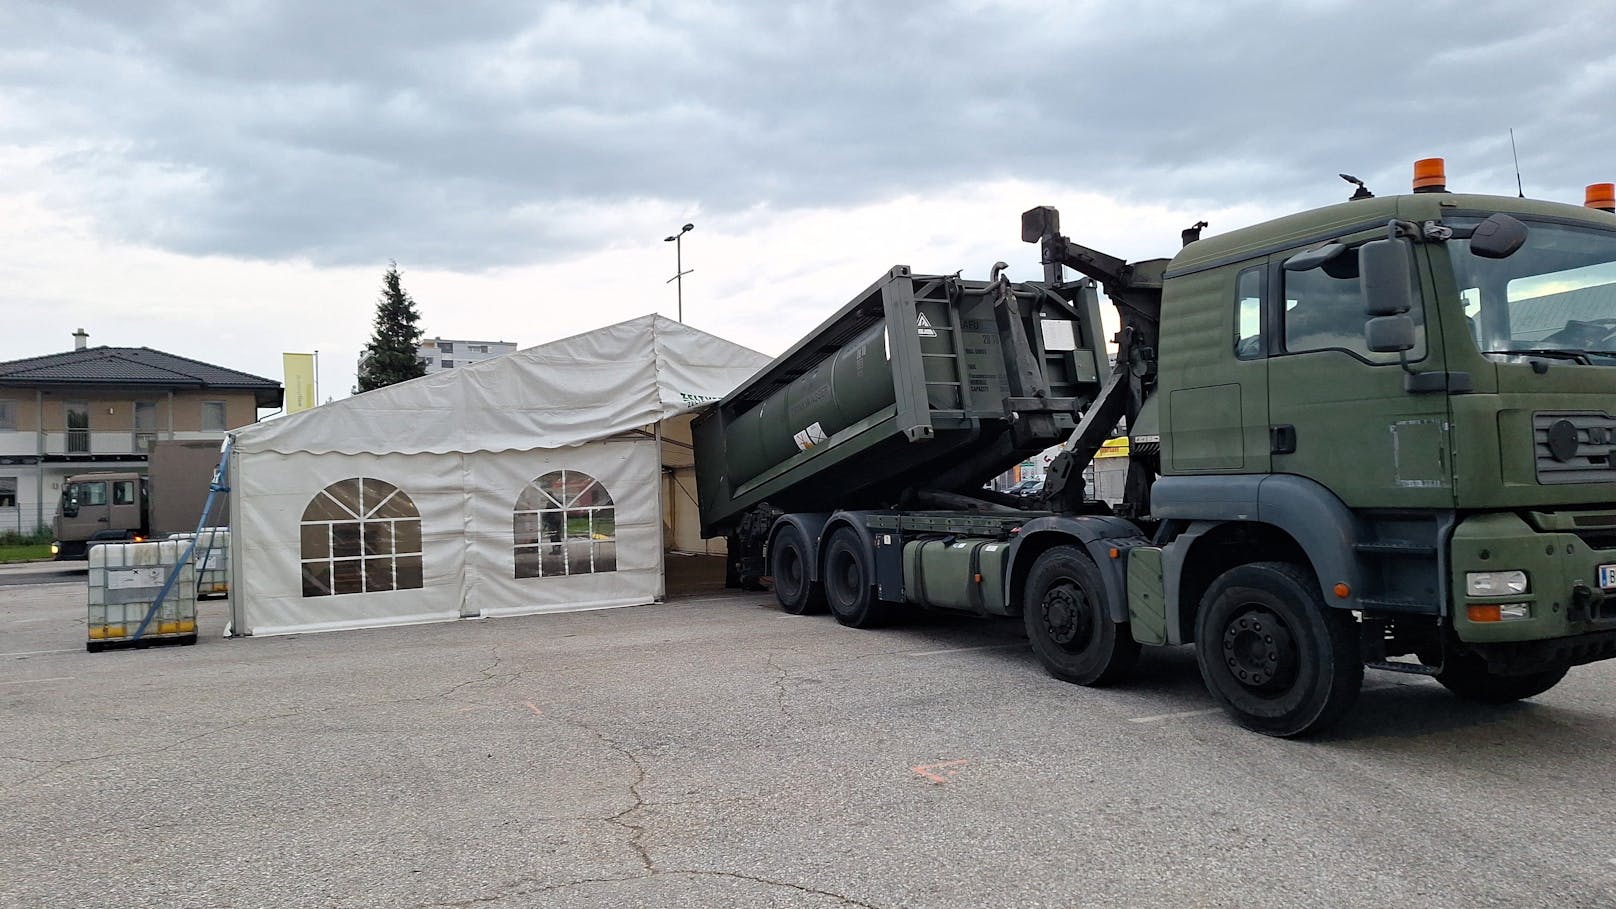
[922, 382]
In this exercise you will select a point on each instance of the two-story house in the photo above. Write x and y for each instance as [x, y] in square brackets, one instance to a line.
[102, 408]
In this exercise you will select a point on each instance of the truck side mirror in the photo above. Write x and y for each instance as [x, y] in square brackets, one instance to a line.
[1389, 334]
[70, 509]
[1387, 269]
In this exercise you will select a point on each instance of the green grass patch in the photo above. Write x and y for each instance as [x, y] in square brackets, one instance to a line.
[25, 547]
[27, 552]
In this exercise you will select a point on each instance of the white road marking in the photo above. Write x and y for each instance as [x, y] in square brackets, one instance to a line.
[59, 678]
[38, 652]
[963, 649]
[1174, 716]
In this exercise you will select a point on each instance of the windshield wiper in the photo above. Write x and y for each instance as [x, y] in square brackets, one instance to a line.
[1558, 353]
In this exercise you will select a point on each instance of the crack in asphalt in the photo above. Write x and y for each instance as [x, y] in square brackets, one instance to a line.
[635, 831]
[783, 675]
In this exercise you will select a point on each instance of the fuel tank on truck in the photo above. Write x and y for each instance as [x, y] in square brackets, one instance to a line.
[922, 382]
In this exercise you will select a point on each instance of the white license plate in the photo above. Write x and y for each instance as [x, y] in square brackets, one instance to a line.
[1607, 576]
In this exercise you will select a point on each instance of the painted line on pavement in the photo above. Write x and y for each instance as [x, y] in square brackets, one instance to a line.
[59, 678]
[38, 652]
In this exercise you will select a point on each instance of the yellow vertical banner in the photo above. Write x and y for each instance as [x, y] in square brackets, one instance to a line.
[299, 368]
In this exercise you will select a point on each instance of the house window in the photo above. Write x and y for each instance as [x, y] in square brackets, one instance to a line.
[213, 416]
[8, 492]
[8, 416]
[145, 425]
[477, 348]
[564, 524]
[446, 347]
[78, 427]
[448, 364]
[360, 536]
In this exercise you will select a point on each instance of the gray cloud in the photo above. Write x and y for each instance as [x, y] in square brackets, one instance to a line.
[470, 135]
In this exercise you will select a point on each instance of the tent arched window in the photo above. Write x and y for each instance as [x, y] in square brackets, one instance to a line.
[564, 524]
[360, 536]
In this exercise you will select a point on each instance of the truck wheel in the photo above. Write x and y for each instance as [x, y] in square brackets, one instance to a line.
[788, 562]
[849, 582]
[1273, 655]
[1067, 622]
[1467, 677]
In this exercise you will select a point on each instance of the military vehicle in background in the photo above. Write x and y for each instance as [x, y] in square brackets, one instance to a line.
[1380, 433]
[131, 506]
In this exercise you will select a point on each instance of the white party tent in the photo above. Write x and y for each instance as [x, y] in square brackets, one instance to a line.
[549, 479]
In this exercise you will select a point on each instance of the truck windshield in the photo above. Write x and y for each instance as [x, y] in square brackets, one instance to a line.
[85, 493]
[1555, 297]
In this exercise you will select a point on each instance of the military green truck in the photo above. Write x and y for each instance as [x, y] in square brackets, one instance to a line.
[1379, 433]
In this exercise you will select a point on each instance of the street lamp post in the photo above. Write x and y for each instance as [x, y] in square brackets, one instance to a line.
[679, 265]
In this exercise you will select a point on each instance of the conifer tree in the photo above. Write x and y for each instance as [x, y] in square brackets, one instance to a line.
[390, 356]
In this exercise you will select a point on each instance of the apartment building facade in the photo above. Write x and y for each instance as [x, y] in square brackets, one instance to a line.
[102, 408]
[441, 354]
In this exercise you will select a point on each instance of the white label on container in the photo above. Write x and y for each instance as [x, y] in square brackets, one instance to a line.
[809, 437]
[129, 578]
[923, 325]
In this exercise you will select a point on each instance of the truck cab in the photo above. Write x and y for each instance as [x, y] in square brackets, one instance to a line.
[99, 508]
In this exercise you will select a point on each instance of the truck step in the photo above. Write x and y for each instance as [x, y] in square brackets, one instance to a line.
[1396, 548]
[1409, 668]
[1390, 604]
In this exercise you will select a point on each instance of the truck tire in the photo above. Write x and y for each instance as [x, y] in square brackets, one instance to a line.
[849, 582]
[1068, 624]
[1467, 677]
[788, 563]
[1273, 655]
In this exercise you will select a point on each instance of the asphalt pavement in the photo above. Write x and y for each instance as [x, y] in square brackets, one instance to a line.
[22, 574]
[715, 752]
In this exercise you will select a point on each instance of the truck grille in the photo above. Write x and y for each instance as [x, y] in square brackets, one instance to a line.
[1574, 447]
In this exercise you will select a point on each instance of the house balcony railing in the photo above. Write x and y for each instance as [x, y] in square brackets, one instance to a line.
[88, 442]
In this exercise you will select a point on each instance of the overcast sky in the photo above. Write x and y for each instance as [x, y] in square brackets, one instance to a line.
[228, 180]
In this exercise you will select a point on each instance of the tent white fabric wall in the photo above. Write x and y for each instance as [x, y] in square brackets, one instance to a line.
[463, 446]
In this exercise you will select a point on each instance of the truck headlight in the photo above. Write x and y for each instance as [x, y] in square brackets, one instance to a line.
[1494, 583]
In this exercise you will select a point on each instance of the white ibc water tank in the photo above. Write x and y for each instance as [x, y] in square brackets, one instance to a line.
[124, 580]
[212, 560]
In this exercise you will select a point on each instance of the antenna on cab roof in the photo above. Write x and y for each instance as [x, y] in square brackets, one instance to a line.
[1518, 190]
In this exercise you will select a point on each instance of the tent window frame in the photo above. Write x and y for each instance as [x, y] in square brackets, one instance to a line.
[360, 535]
[564, 524]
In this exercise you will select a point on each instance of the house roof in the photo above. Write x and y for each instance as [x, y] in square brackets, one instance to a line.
[137, 366]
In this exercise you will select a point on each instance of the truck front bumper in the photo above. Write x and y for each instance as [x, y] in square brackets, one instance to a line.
[1563, 598]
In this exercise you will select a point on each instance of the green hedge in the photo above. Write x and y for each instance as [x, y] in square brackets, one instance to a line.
[38, 537]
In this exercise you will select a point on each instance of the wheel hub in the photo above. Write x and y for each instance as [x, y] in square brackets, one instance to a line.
[1258, 649]
[1066, 616]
